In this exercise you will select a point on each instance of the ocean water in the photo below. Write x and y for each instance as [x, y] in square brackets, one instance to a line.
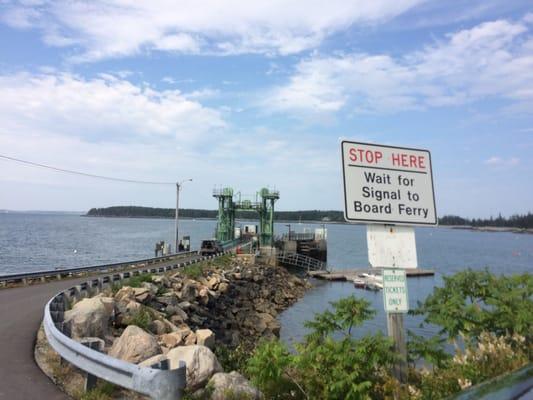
[33, 242]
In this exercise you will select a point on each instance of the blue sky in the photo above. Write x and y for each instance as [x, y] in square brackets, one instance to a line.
[252, 94]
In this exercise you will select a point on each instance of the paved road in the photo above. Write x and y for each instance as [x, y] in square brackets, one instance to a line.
[21, 312]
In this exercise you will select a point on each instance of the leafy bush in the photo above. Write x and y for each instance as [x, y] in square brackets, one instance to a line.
[324, 367]
[234, 359]
[488, 317]
[472, 302]
[268, 369]
[491, 318]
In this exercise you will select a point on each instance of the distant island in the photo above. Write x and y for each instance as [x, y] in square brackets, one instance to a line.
[500, 223]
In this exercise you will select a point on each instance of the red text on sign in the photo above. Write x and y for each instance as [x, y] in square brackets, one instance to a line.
[365, 156]
[406, 160]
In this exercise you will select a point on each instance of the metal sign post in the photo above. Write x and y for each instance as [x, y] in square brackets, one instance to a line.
[396, 304]
[389, 187]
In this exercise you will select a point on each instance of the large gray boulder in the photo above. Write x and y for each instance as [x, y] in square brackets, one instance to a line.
[232, 385]
[134, 345]
[90, 317]
[152, 360]
[201, 364]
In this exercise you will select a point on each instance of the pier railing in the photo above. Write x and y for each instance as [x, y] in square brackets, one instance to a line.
[300, 261]
[63, 273]
[298, 236]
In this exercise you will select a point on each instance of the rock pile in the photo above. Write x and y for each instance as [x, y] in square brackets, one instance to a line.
[183, 315]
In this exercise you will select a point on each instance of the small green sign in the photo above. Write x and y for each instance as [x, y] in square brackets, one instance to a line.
[395, 291]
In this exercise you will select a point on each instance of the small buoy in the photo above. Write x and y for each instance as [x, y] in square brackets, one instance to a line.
[75, 251]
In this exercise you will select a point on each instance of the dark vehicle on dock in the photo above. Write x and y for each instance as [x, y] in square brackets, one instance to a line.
[210, 247]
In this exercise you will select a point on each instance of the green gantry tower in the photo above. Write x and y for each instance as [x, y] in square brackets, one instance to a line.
[228, 206]
[226, 214]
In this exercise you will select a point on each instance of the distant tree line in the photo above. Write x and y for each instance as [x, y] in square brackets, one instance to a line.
[150, 212]
[516, 221]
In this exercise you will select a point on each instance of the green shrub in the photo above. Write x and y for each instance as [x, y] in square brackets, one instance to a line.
[268, 369]
[472, 302]
[325, 367]
[234, 359]
[489, 315]
[491, 318]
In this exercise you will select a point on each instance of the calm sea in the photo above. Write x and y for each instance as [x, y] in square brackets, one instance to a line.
[32, 242]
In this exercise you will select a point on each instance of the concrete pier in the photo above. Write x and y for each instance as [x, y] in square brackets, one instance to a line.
[350, 274]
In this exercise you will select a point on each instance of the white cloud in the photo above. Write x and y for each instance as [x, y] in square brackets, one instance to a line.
[202, 94]
[114, 29]
[491, 60]
[111, 127]
[105, 108]
[182, 43]
[502, 162]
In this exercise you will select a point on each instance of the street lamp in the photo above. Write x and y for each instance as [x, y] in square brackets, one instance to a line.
[178, 186]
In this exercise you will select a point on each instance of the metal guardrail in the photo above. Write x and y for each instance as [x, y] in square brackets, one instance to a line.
[234, 243]
[60, 273]
[517, 385]
[298, 236]
[301, 261]
[158, 382]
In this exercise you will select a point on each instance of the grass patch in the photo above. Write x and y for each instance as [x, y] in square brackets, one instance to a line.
[161, 291]
[134, 281]
[223, 261]
[103, 391]
[141, 318]
[194, 271]
[137, 281]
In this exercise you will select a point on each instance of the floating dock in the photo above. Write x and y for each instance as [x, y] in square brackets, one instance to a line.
[351, 274]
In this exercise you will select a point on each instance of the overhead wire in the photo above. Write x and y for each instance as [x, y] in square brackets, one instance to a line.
[68, 171]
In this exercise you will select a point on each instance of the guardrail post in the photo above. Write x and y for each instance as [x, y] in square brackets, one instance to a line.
[94, 344]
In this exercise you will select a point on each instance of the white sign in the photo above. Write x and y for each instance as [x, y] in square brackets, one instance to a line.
[387, 185]
[391, 246]
[395, 291]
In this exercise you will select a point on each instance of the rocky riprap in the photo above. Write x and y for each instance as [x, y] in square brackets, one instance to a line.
[184, 315]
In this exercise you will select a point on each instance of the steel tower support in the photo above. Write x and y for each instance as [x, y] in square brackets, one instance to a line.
[266, 216]
[226, 214]
[227, 208]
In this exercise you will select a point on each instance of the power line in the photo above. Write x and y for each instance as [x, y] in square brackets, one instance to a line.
[68, 171]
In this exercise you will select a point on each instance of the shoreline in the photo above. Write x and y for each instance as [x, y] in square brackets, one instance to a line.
[464, 227]
[491, 228]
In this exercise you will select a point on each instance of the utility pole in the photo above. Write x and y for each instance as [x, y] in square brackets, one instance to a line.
[178, 186]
